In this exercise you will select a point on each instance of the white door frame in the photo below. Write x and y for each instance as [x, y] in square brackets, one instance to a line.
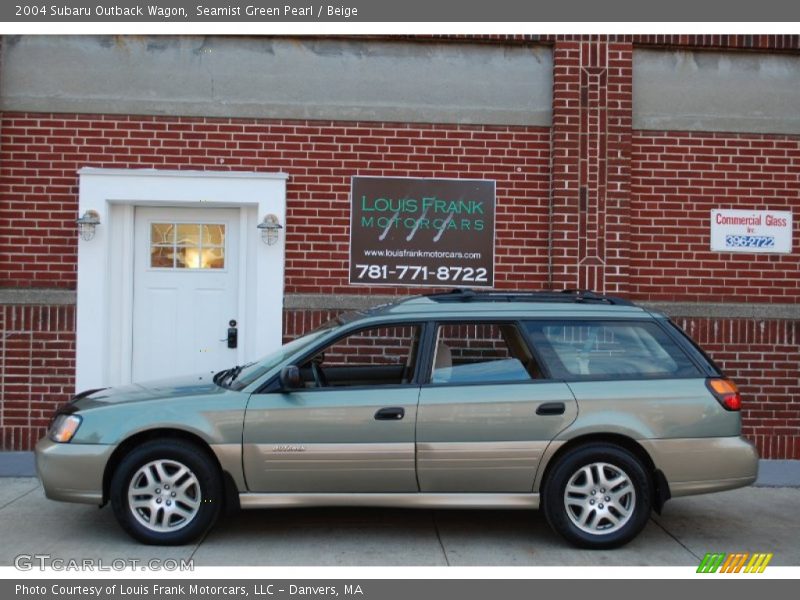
[105, 263]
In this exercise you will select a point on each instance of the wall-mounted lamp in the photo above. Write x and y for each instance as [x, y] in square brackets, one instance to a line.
[270, 229]
[87, 224]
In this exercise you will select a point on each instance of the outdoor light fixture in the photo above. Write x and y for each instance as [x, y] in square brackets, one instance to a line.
[87, 224]
[270, 229]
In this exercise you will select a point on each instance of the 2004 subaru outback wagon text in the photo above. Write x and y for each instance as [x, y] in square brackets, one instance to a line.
[592, 408]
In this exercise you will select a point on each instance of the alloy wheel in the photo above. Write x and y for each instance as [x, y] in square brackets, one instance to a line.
[599, 498]
[164, 495]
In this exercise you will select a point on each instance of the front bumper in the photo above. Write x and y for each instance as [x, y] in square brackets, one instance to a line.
[72, 472]
[703, 465]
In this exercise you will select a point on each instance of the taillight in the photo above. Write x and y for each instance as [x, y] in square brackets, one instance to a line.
[726, 392]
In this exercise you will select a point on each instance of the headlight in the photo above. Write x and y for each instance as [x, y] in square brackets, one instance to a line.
[64, 427]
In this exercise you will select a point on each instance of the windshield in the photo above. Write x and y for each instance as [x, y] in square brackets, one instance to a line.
[254, 370]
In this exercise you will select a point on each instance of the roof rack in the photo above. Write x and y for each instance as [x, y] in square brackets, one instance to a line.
[577, 296]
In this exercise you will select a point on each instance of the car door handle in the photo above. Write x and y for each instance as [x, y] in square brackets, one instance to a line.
[390, 413]
[551, 408]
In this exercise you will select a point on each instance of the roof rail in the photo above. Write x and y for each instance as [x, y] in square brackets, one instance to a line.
[569, 295]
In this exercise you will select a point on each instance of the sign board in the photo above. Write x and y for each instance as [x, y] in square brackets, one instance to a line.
[418, 232]
[763, 231]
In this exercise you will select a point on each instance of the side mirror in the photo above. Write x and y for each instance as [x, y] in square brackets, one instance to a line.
[290, 378]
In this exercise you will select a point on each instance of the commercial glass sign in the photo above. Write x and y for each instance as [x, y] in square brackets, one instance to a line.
[751, 231]
[417, 232]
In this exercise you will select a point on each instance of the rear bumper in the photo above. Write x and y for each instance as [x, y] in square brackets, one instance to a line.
[72, 472]
[702, 465]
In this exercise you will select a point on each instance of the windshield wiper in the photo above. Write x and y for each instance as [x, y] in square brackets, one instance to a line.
[234, 373]
[229, 375]
[219, 375]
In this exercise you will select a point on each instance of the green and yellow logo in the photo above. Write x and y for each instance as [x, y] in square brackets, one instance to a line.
[744, 562]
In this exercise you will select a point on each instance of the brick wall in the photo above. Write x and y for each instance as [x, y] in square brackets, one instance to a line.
[676, 179]
[298, 322]
[41, 153]
[384, 346]
[37, 355]
[763, 358]
[629, 214]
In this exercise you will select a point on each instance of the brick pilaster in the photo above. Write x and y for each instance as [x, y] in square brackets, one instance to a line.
[565, 155]
[592, 107]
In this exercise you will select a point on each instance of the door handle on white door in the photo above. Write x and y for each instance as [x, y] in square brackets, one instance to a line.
[233, 334]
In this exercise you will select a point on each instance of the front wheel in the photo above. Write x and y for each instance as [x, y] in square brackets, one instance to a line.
[166, 492]
[598, 496]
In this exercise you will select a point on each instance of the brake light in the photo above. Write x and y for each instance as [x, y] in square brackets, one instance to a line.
[727, 393]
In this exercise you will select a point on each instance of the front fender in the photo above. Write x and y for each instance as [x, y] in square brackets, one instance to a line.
[215, 419]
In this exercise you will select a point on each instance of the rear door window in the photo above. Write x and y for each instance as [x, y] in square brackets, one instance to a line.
[468, 353]
[587, 349]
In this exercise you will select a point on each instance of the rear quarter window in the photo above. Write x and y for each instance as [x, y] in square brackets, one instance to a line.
[700, 356]
[609, 350]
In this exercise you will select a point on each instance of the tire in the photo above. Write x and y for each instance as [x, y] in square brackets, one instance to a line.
[572, 496]
[166, 492]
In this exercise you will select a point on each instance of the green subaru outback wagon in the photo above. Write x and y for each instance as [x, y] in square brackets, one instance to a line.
[592, 408]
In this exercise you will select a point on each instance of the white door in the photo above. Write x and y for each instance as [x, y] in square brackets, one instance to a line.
[185, 294]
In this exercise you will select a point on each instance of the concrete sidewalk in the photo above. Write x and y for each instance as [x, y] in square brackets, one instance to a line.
[751, 519]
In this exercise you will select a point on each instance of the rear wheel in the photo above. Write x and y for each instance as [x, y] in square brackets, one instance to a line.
[598, 496]
[166, 492]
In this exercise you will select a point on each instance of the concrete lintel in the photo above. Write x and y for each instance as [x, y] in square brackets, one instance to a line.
[672, 309]
[334, 301]
[275, 110]
[716, 91]
[712, 310]
[721, 310]
[37, 296]
[328, 79]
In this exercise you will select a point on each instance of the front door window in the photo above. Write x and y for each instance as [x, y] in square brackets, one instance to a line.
[385, 355]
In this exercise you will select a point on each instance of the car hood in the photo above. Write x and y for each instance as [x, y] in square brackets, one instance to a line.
[174, 387]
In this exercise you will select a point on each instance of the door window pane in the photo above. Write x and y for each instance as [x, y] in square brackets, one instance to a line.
[371, 357]
[214, 235]
[187, 258]
[187, 246]
[162, 234]
[212, 258]
[603, 349]
[162, 257]
[481, 353]
[188, 234]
